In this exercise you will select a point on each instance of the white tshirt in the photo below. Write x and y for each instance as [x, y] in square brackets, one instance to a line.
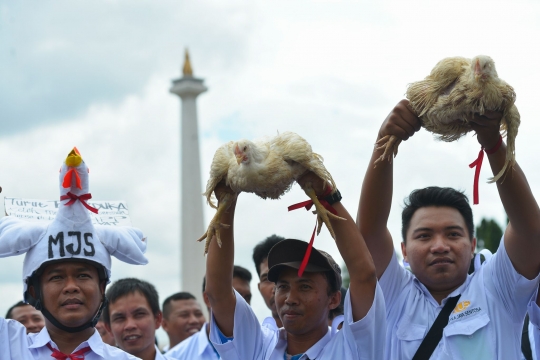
[196, 346]
[363, 339]
[17, 345]
[486, 323]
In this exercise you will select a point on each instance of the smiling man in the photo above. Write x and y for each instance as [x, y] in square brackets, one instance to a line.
[66, 269]
[302, 302]
[481, 314]
[182, 317]
[133, 316]
[27, 315]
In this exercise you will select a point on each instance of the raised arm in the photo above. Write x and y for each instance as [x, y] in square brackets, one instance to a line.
[376, 195]
[522, 235]
[354, 252]
[219, 266]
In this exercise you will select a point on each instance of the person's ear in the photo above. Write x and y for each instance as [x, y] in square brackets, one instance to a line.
[165, 324]
[108, 327]
[32, 291]
[404, 251]
[335, 300]
[102, 286]
[206, 300]
[159, 319]
[473, 247]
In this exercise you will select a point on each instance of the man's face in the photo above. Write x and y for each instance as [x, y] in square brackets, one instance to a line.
[438, 248]
[184, 319]
[303, 303]
[71, 291]
[133, 324]
[32, 319]
[243, 288]
[266, 287]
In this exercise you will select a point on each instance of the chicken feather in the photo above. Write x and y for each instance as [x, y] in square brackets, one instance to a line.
[456, 89]
[267, 168]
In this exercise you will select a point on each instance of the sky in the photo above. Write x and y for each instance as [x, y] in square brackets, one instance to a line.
[97, 75]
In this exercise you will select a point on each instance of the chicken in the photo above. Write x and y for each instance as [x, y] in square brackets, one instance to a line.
[448, 98]
[268, 169]
[18, 236]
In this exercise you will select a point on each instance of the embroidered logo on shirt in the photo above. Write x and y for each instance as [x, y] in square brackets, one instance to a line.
[461, 306]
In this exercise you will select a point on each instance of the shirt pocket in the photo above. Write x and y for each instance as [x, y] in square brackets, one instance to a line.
[410, 337]
[467, 339]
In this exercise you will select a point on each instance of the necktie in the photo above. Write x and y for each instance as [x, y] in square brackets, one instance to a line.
[77, 355]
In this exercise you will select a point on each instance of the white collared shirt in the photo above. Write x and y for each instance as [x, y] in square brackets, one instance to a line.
[485, 324]
[196, 346]
[17, 345]
[363, 339]
[534, 327]
[160, 356]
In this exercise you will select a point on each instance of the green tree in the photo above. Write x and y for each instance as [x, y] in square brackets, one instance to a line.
[488, 235]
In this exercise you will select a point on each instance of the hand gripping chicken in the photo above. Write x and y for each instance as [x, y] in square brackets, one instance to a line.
[71, 234]
[268, 169]
[456, 90]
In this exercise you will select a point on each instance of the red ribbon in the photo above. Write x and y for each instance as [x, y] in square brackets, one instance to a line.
[308, 204]
[478, 164]
[77, 355]
[82, 198]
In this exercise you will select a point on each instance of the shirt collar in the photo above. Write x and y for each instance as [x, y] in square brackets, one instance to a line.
[203, 341]
[428, 295]
[43, 338]
[159, 355]
[314, 351]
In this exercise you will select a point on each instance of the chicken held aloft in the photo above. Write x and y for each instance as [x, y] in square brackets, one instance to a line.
[268, 169]
[456, 89]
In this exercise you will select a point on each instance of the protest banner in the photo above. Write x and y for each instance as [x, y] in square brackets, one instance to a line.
[109, 212]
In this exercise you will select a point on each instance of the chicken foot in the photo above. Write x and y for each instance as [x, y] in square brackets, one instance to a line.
[390, 145]
[214, 226]
[323, 214]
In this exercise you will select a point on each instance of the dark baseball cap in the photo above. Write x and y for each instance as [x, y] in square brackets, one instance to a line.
[290, 253]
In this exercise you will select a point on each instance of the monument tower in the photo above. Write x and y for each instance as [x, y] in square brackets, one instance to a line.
[191, 214]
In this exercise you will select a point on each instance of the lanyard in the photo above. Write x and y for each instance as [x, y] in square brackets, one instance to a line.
[294, 357]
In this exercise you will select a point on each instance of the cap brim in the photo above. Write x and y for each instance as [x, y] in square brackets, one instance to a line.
[273, 273]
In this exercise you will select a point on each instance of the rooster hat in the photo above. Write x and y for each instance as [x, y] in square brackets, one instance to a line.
[70, 236]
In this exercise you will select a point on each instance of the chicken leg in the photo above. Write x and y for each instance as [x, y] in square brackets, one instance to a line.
[390, 145]
[323, 214]
[214, 226]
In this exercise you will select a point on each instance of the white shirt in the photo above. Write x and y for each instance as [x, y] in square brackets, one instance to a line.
[534, 328]
[17, 345]
[160, 356]
[363, 339]
[196, 346]
[486, 323]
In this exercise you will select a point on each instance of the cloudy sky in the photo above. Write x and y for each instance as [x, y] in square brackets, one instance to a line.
[97, 74]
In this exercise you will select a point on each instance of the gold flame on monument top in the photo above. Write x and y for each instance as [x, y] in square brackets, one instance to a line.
[187, 70]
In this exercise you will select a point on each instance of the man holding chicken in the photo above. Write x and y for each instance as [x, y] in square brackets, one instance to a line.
[302, 302]
[437, 310]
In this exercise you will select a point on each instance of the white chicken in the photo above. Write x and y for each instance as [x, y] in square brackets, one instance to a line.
[455, 90]
[268, 169]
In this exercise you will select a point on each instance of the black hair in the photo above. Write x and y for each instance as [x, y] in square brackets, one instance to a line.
[261, 251]
[439, 197]
[19, 304]
[238, 272]
[175, 297]
[127, 286]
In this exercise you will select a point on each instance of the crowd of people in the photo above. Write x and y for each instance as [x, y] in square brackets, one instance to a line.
[438, 308]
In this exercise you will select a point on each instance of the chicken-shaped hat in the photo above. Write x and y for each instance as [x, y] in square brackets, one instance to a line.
[71, 235]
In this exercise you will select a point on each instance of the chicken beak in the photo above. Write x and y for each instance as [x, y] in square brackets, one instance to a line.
[239, 158]
[477, 70]
[74, 159]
